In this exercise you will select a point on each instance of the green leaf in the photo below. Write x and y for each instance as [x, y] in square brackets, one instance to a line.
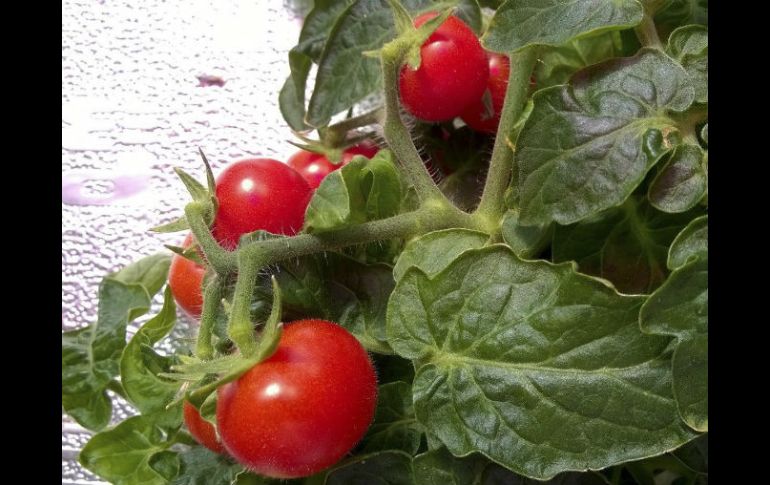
[690, 46]
[704, 133]
[135, 452]
[90, 355]
[526, 241]
[197, 191]
[439, 467]
[382, 468]
[675, 13]
[292, 103]
[682, 182]
[145, 390]
[695, 454]
[363, 190]
[318, 24]
[520, 23]
[692, 241]
[338, 288]
[394, 427]
[627, 245]
[345, 75]
[690, 369]
[557, 64]
[201, 466]
[150, 272]
[173, 226]
[587, 146]
[435, 250]
[680, 308]
[469, 12]
[538, 367]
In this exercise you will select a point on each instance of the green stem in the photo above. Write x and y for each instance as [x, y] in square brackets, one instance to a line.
[212, 296]
[219, 258]
[240, 329]
[398, 136]
[647, 33]
[688, 121]
[501, 165]
[400, 226]
[338, 131]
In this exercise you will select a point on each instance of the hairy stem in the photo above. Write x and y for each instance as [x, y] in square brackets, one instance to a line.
[211, 301]
[219, 258]
[501, 166]
[400, 226]
[240, 328]
[647, 33]
[398, 136]
[339, 130]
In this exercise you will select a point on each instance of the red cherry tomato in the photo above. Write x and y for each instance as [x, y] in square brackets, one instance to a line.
[304, 408]
[185, 278]
[314, 166]
[476, 115]
[259, 194]
[203, 431]
[453, 72]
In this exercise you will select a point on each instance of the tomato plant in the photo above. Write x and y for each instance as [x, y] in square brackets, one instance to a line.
[538, 314]
[259, 193]
[314, 167]
[203, 431]
[302, 409]
[185, 278]
[452, 75]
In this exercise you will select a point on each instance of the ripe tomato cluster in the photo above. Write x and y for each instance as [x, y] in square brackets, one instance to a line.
[301, 410]
[298, 412]
[455, 73]
[256, 194]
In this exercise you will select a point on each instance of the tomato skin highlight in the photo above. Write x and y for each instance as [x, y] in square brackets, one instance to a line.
[259, 193]
[314, 167]
[200, 429]
[475, 115]
[185, 278]
[452, 75]
[304, 408]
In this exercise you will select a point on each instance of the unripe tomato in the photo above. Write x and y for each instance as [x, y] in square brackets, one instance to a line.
[453, 72]
[304, 408]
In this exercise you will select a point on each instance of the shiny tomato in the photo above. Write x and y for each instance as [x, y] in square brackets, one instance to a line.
[314, 166]
[304, 408]
[203, 431]
[476, 115]
[185, 278]
[256, 194]
[452, 75]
